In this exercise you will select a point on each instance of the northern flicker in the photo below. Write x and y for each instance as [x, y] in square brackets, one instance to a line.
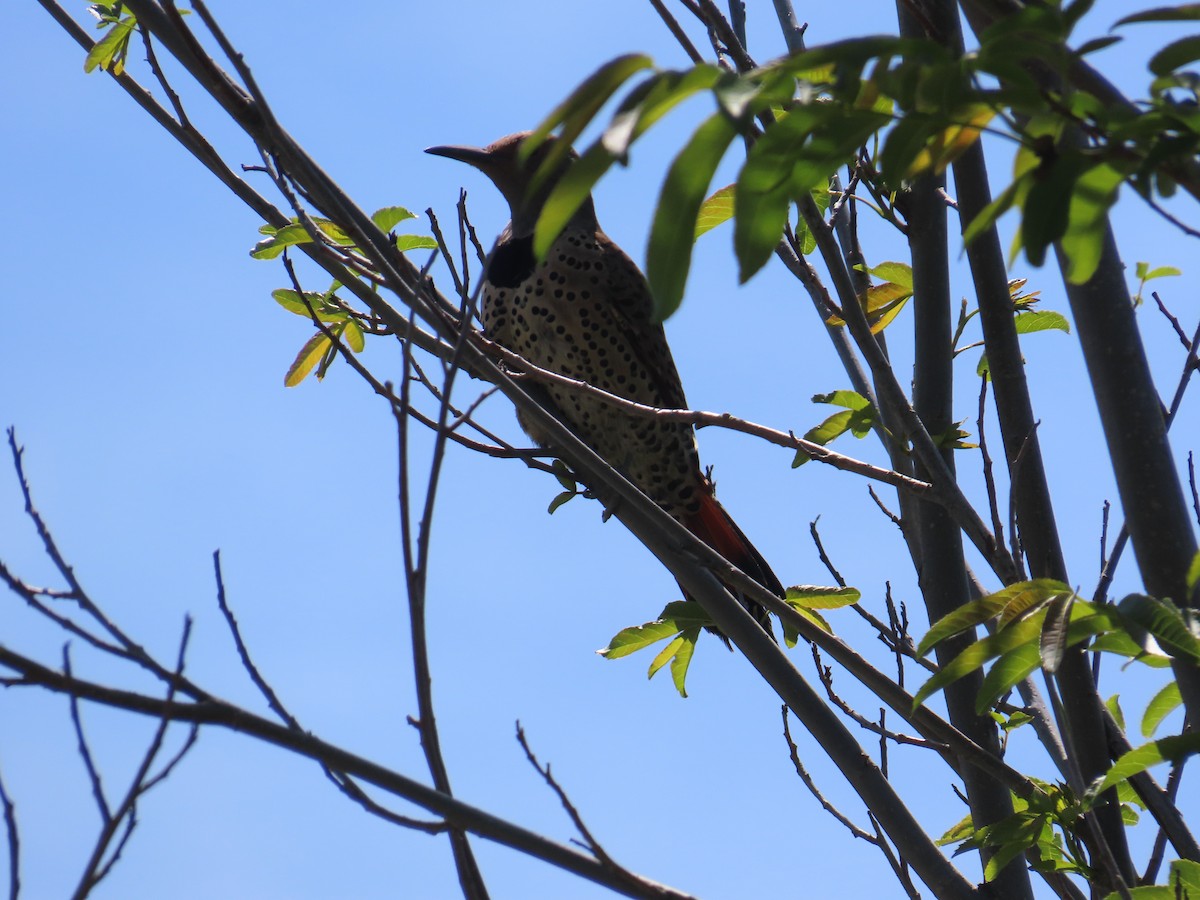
[585, 313]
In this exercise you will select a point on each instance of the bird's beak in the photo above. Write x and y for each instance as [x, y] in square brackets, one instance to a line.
[472, 156]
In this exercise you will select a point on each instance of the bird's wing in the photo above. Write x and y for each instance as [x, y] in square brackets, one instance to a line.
[632, 311]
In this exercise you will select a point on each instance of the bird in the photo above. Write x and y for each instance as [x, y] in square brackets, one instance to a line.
[585, 312]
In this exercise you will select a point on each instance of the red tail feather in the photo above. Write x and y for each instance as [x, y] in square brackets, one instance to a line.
[715, 527]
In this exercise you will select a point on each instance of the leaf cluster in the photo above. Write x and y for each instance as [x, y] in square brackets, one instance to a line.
[321, 349]
[918, 105]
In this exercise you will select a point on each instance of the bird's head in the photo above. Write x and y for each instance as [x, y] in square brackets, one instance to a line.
[513, 172]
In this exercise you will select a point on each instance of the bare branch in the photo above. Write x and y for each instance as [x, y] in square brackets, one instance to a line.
[589, 840]
[124, 818]
[219, 713]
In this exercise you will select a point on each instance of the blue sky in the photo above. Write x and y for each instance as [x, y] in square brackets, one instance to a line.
[144, 375]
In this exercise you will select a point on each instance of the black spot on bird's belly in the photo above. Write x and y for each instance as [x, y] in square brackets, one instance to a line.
[512, 262]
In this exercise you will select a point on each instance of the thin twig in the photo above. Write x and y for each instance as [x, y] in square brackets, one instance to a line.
[85, 751]
[1175, 324]
[219, 713]
[416, 559]
[699, 419]
[1191, 462]
[14, 843]
[152, 60]
[124, 818]
[794, 753]
[680, 35]
[589, 841]
[825, 674]
[988, 478]
[824, 557]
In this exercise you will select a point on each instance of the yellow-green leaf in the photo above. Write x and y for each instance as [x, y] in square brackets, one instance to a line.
[716, 210]
[944, 148]
[310, 354]
[1161, 705]
[352, 334]
[638, 637]
[109, 52]
[390, 216]
[1139, 759]
[812, 596]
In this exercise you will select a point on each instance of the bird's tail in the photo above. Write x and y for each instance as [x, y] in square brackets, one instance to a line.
[716, 528]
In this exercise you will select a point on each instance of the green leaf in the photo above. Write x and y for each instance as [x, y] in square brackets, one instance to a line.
[792, 157]
[1040, 320]
[564, 476]
[683, 659]
[903, 143]
[1193, 574]
[1015, 721]
[858, 419]
[578, 110]
[976, 655]
[294, 233]
[1185, 878]
[959, 831]
[1045, 215]
[1159, 272]
[1183, 883]
[568, 195]
[679, 653]
[950, 141]
[1010, 669]
[847, 57]
[1015, 599]
[1054, 631]
[986, 218]
[1093, 194]
[1145, 893]
[1161, 705]
[676, 617]
[670, 252]
[1096, 44]
[285, 237]
[1139, 759]
[110, 51]
[406, 242]
[804, 235]
[1009, 851]
[845, 398]
[293, 303]
[894, 272]
[1113, 704]
[1164, 622]
[1175, 55]
[763, 190]
[716, 210]
[310, 354]
[1184, 12]
[1120, 643]
[638, 637]
[832, 427]
[883, 304]
[811, 596]
[559, 500]
[686, 614]
[352, 334]
[390, 216]
[654, 98]
[664, 656]
[815, 617]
